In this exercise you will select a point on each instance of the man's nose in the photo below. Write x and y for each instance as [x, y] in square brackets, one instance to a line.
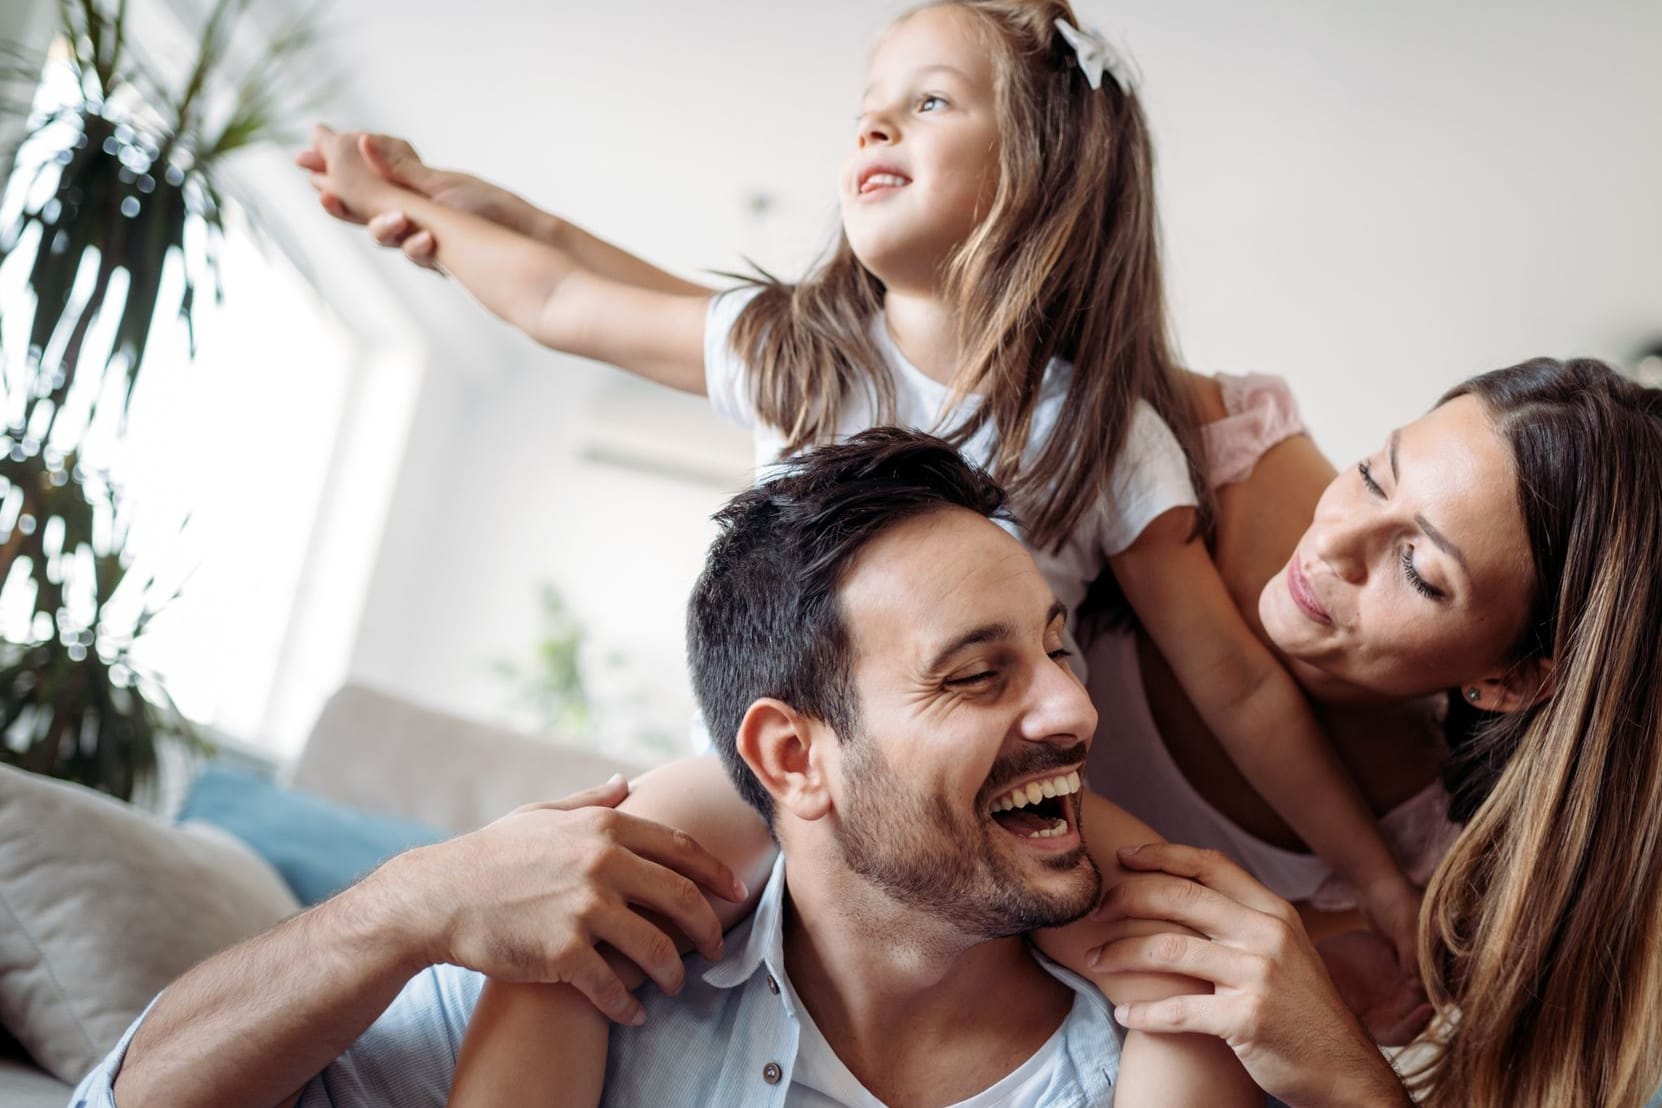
[1059, 709]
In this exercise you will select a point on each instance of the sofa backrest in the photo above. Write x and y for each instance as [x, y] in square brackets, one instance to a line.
[382, 753]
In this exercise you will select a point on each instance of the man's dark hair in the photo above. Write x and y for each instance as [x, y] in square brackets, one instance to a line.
[764, 619]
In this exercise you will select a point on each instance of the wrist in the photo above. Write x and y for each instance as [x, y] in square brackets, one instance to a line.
[388, 914]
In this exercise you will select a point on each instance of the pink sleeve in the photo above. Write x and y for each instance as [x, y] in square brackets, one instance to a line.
[1262, 412]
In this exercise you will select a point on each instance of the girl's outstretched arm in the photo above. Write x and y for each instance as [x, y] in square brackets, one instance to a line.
[1168, 1071]
[546, 1044]
[397, 162]
[545, 290]
[1258, 713]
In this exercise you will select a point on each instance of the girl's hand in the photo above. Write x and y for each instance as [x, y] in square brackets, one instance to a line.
[1391, 1004]
[345, 176]
[1392, 907]
[397, 162]
[1273, 1002]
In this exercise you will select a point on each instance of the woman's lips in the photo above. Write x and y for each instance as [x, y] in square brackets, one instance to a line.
[1304, 596]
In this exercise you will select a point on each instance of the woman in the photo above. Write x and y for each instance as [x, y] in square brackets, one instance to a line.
[1529, 503]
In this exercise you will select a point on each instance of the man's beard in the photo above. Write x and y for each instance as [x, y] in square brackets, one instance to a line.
[926, 854]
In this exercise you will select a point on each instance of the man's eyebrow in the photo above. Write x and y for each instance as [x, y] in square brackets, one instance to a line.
[988, 632]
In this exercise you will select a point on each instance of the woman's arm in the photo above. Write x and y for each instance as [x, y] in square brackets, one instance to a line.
[547, 1044]
[1155, 1070]
[1257, 712]
[545, 290]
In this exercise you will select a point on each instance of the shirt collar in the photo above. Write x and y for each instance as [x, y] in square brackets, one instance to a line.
[759, 941]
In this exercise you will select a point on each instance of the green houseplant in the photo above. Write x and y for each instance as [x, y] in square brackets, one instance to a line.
[110, 184]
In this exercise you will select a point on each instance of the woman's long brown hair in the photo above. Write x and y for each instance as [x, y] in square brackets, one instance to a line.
[1066, 264]
[1542, 935]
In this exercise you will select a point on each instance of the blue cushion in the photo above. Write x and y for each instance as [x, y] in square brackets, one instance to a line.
[319, 847]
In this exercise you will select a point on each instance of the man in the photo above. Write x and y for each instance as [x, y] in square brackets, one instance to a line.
[883, 670]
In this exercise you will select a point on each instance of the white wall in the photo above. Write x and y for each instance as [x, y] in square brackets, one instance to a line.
[1374, 200]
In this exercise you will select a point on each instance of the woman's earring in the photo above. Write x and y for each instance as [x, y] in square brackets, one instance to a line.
[1472, 694]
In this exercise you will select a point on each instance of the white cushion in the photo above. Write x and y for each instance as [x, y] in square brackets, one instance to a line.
[102, 905]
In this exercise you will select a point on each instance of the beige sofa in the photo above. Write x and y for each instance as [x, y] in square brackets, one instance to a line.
[383, 754]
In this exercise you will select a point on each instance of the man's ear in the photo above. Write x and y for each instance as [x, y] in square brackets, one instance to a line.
[1522, 686]
[778, 744]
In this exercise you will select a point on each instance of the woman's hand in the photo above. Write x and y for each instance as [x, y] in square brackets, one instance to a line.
[1273, 1002]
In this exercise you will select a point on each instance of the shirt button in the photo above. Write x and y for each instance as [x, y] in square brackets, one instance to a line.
[773, 986]
[771, 1073]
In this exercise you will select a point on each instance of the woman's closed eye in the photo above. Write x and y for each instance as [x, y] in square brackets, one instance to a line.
[1419, 584]
[1368, 482]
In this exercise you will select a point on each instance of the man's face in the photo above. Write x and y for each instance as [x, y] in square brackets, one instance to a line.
[966, 702]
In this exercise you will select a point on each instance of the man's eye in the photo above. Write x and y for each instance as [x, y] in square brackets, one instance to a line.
[1061, 654]
[972, 680]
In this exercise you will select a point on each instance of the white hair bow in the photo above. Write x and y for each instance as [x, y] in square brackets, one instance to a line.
[1095, 55]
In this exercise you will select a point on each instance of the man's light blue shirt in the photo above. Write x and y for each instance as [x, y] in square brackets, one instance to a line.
[730, 1038]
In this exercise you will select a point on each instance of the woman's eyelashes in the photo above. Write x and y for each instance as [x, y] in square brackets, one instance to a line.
[1406, 558]
[1420, 584]
[1368, 482]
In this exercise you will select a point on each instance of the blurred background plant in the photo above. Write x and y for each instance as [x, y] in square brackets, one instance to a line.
[548, 690]
[115, 206]
[572, 692]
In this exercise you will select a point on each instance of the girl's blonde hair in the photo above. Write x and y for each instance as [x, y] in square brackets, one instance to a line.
[1542, 932]
[1066, 265]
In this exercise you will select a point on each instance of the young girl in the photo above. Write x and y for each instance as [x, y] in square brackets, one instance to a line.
[997, 280]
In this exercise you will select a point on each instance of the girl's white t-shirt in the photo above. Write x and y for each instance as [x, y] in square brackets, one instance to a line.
[1151, 476]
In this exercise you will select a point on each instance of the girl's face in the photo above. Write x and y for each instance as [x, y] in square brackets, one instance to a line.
[925, 162]
[1415, 574]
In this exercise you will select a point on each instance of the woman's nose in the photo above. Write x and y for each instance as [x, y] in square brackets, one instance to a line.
[1342, 549]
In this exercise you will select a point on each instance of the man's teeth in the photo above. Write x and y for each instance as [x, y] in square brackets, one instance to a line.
[1034, 791]
[1060, 827]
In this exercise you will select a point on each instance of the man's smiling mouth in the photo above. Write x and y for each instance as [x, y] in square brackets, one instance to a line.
[1041, 808]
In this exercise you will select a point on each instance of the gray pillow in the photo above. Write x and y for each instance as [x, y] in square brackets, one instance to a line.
[102, 905]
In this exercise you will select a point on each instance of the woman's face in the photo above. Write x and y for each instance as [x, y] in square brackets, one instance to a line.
[1415, 574]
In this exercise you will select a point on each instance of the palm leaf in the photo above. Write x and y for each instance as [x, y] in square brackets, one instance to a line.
[127, 171]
